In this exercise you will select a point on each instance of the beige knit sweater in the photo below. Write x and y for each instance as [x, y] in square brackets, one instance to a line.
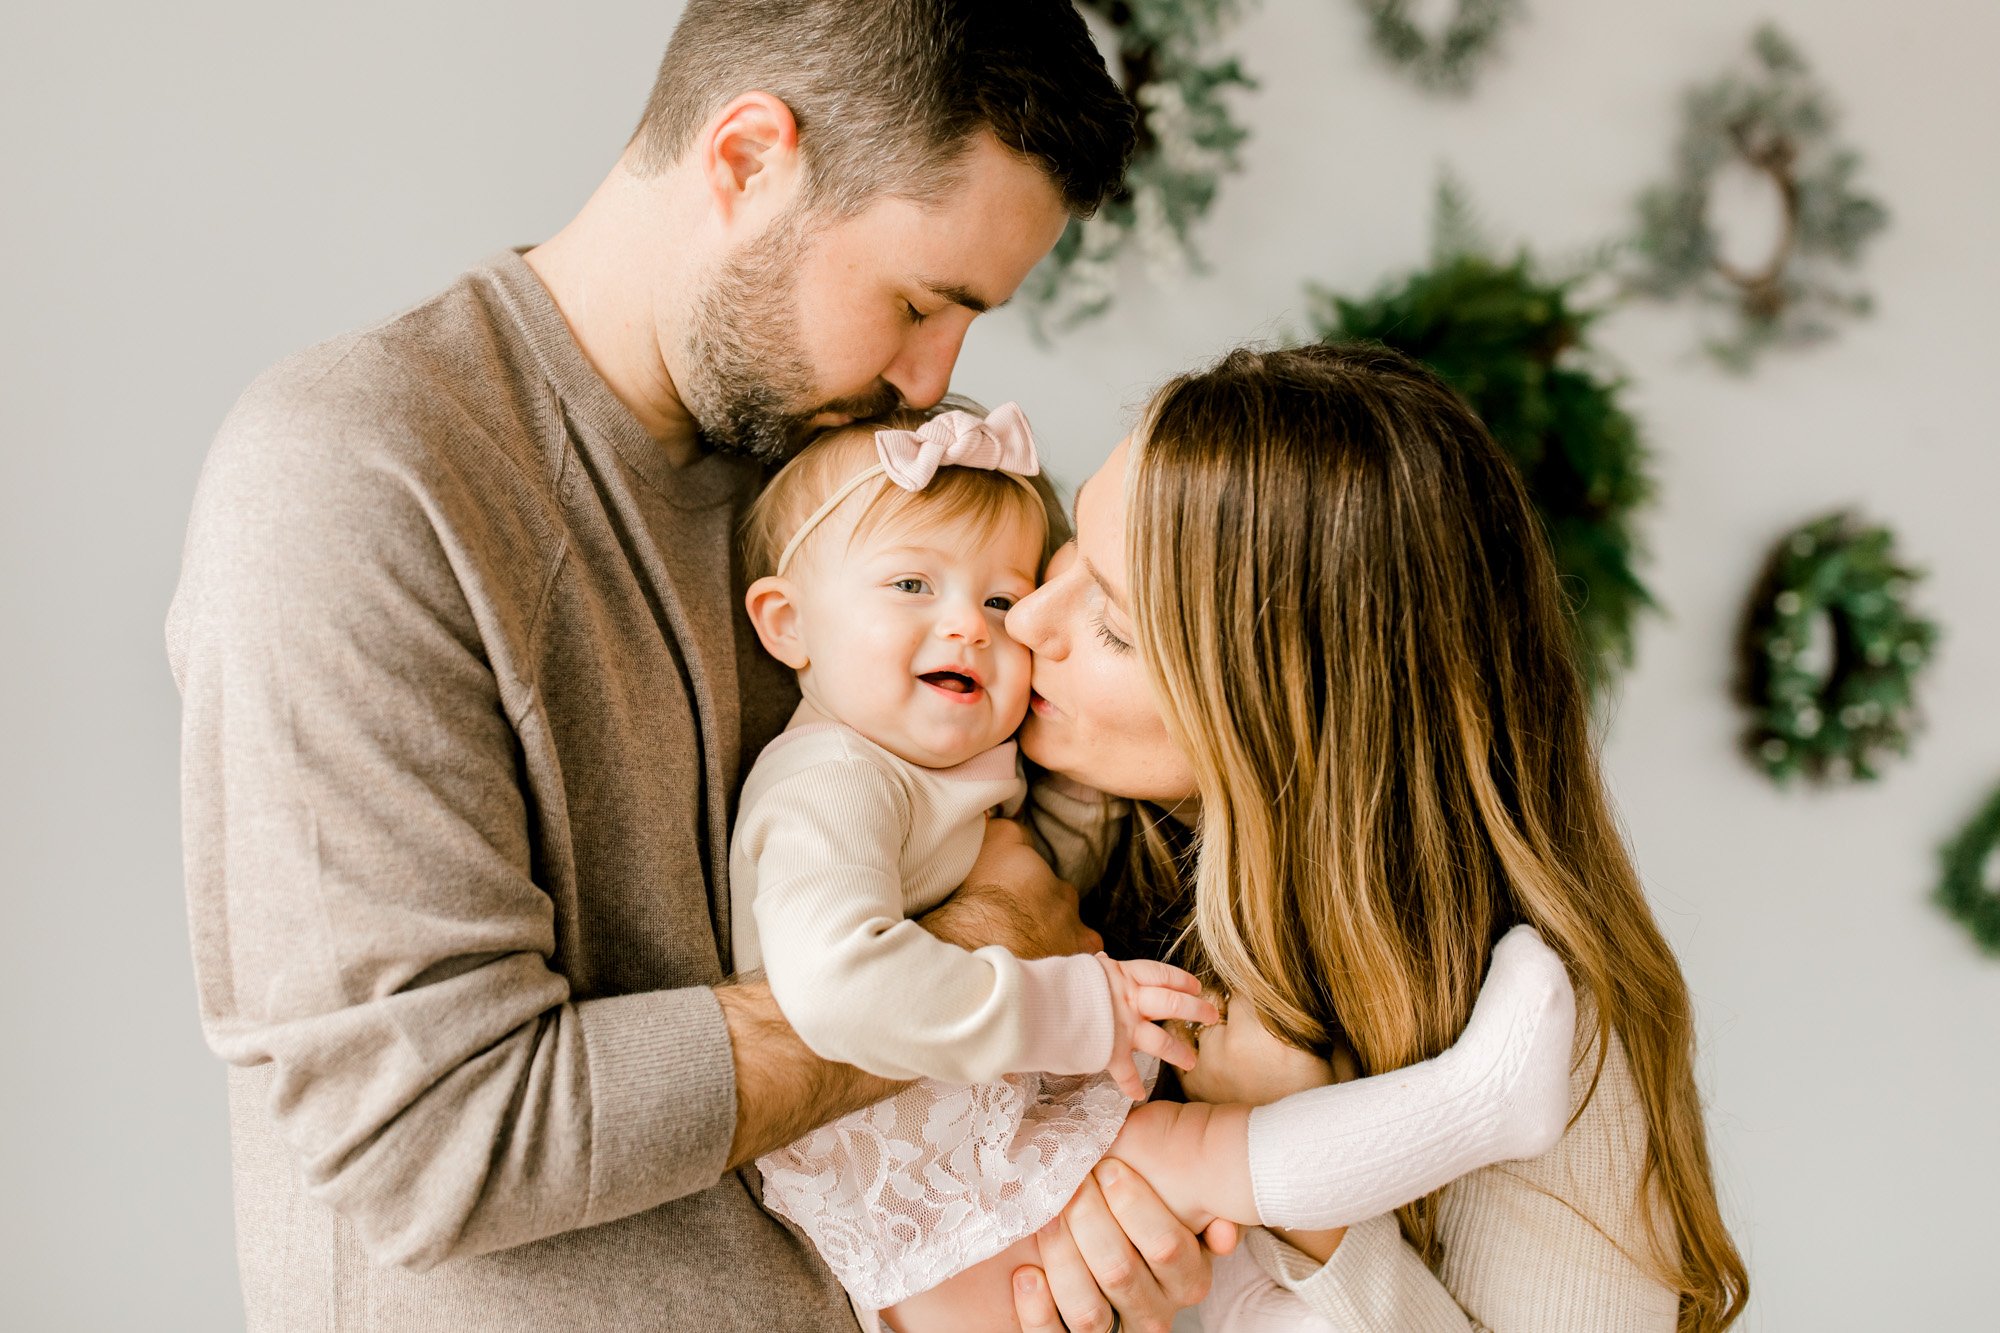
[466, 691]
[839, 846]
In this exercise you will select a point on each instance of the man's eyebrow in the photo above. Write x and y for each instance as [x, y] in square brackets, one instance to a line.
[957, 295]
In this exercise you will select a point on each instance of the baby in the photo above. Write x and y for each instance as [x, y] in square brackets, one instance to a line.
[889, 554]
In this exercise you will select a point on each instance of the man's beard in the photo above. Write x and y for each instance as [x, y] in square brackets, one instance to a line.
[748, 376]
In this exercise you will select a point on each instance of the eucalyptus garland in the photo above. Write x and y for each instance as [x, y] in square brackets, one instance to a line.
[1515, 343]
[1832, 651]
[1773, 118]
[1446, 61]
[1187, 139]
[1970, 889]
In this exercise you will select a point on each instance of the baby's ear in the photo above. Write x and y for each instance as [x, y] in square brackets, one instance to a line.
[775, 617]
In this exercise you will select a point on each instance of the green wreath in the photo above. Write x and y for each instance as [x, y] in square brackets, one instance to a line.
[1775, 120]
[1187, 140]
[1515, 343]
[1832, 652]
[1966, 891]
[1447, 61]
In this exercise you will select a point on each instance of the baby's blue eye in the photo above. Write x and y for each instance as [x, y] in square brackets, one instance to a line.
[1001, 603]
[915, 587]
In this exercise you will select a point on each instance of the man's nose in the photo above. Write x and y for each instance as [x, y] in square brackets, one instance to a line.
[921, 373]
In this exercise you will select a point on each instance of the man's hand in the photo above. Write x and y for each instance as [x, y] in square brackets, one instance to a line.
[1117, 1257]
[1012, 898]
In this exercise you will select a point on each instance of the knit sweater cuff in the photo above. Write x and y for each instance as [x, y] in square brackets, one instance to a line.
[663, 1098]
[1374, 1283]
[1065, 1015]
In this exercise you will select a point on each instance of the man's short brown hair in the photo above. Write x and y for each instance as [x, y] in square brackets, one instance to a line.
[886, 93]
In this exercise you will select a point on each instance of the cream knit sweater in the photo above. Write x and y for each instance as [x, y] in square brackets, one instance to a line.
[1553, 1245]
[838, 846]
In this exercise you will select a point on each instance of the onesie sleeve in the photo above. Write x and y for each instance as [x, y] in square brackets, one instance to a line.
[865, 985]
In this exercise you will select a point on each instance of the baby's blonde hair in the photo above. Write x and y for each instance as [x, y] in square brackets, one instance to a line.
[957, 497]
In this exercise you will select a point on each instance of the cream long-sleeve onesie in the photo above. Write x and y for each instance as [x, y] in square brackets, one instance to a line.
[839, 845]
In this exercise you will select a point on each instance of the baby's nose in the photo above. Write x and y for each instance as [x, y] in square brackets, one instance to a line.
[964, 619]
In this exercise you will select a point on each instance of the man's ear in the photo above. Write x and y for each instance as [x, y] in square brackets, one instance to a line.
[749, 156]
[775, 617]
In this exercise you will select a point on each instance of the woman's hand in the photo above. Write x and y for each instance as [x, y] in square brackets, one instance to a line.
[1241, 1060]
[1117, 1256]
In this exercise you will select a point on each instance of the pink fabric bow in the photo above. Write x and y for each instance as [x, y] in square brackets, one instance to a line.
[1000, 442]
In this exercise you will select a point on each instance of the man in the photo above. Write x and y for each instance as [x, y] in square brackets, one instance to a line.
[467, 697]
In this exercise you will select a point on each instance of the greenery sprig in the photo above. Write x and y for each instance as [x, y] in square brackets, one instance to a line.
[1772, 117]
[1832, 651]
[1188, 138]
[1967, 890]
[1447, 61]
[1515, 342]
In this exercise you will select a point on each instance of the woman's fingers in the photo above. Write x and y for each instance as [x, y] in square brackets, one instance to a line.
[1156, 1040]
[1159, 1003]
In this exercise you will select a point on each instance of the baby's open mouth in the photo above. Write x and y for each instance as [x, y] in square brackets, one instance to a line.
[952, 682]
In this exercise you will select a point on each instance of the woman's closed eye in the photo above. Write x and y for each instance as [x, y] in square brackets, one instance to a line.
[1111, 641]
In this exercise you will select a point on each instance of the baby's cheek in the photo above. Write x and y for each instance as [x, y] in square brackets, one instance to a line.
[1011, 682]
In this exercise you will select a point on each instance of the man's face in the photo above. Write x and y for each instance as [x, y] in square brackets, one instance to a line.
[814, 325]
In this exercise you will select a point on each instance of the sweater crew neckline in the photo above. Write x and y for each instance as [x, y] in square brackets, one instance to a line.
[592, 408]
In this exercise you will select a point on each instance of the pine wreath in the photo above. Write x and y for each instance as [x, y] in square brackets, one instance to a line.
[1968, 891]
[1773, 118]
[1831, 653]
[1515, 343]
[1444, 62]
[1187, 139]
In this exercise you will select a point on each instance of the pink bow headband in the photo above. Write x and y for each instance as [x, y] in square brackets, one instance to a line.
[999, 442]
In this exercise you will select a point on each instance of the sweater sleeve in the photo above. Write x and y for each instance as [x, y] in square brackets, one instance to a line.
[1559, 1244]
[358, 859]
[865, 985]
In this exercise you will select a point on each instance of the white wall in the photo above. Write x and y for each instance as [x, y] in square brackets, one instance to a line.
[193, 191]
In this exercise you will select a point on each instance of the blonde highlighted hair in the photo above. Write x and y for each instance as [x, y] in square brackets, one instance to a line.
[1349, 608]
[961, 499]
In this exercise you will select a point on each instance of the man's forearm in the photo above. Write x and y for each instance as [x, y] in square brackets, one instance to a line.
[783, 1090]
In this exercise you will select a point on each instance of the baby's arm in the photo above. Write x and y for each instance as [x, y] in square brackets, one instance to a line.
[864, 985]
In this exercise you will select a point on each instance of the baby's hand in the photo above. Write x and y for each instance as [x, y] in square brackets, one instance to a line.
[1143, 994]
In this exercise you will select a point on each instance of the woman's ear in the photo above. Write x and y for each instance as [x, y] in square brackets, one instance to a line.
[775, 617]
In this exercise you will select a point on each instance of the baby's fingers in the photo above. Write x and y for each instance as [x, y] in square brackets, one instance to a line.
[1148, 972]
[1159, 1004]
[1126, 1075]
[1156, 1040]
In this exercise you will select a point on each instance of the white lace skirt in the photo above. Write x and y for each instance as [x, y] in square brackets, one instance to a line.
[905, 1193]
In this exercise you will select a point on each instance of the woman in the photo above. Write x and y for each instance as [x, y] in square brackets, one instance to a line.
[1310, 624]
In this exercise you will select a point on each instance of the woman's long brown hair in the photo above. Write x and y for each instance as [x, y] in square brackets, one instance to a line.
[1349, 607]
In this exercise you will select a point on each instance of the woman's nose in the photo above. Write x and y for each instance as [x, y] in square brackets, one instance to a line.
[1028, 622]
